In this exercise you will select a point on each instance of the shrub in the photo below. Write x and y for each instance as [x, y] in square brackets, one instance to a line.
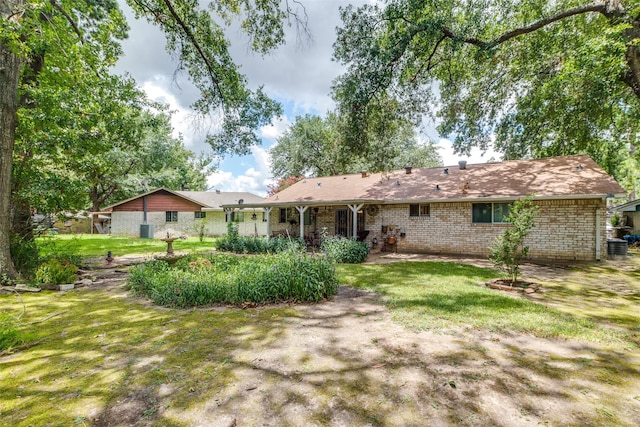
[343, 250]
[25, 255]
[229, 279]
[56, 272]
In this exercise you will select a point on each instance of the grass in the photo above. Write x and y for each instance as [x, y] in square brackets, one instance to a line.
[103, 348]
[98, 244]
[428, 295]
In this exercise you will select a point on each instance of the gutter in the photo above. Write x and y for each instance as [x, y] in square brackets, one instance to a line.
[413, 201]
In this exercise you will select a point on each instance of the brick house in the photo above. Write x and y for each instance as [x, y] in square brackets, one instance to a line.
[455, 209]
[178, 212]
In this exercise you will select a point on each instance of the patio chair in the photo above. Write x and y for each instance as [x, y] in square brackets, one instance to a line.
[390, 244]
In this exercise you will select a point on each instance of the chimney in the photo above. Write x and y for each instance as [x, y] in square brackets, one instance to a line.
[462, 164]
[364, 174]
[407, 169]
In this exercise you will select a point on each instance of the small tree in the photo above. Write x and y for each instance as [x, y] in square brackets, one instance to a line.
[200, 227]
[508, 249]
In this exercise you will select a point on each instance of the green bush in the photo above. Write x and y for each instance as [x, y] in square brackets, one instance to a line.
[25, 255]
[343, 250]
[56, 272]
[230, 279]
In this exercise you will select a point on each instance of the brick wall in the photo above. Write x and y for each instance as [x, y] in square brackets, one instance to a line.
[128, 224]
[565, 229]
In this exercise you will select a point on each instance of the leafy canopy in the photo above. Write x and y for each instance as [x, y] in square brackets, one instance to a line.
[315, 146]
[534, 78]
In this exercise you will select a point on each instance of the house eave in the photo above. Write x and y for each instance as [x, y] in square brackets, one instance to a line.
[415, 200]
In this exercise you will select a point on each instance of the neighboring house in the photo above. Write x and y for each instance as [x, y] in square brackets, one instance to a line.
[179, 212]
[455, 209]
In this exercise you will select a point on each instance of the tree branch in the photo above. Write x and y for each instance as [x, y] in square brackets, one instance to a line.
[607, 8]
[194, 42]
[73, 24]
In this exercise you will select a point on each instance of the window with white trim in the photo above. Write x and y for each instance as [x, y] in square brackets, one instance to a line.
[199, 214]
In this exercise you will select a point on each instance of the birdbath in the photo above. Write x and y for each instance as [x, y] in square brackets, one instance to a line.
[169, 241]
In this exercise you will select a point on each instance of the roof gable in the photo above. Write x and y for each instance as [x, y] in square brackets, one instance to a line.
[208, 200]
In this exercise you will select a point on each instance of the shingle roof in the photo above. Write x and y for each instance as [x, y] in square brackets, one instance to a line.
[214, 200]
[557, 177]
[209, 200]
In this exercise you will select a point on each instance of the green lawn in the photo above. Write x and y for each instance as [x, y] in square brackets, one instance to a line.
[103, 348]
[95, 245]
[426, 295]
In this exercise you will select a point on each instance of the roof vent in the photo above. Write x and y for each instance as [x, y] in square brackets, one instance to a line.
[241, 201]
[437, 187]
[364, 174]
[462, 164]
[407, 169]
[319, 184]
[446, 171]
[217, 191]
[579, 167]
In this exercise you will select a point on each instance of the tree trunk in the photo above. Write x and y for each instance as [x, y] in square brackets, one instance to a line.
[10, 65]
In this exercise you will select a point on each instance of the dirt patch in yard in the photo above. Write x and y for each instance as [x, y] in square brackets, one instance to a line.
[345, 362]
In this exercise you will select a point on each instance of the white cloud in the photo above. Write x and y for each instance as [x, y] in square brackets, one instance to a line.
[449, 158]
[181, 117]
[254, 179]
[274, 130]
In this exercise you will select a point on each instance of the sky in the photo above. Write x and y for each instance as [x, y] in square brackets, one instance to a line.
[298, 75]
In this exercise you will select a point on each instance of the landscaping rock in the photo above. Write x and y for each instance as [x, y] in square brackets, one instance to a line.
[20, 288]
[84, 282]
[66, 287]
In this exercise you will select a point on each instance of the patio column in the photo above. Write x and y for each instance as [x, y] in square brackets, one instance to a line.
[268, 213]
[354, 210]
[302, 209]
[227, 214]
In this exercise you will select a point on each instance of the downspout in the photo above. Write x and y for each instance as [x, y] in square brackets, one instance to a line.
[598, 234]
[144, 209]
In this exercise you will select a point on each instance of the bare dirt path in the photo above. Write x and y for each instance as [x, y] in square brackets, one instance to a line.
[346, 363]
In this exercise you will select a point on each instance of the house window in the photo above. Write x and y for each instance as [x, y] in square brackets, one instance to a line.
[199, 214]
[171, 216]
[488, 213]
[419, 210]
[238, 217]
[287, 214]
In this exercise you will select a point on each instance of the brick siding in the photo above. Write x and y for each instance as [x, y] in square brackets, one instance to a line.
[564, 230]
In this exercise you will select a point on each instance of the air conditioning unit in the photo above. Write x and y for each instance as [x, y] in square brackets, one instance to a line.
[146, 231]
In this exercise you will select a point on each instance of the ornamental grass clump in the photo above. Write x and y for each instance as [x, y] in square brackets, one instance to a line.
[343, 250]
[233, 242]
[230, 279]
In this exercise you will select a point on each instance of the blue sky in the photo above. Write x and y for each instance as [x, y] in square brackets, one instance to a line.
[298, 75]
